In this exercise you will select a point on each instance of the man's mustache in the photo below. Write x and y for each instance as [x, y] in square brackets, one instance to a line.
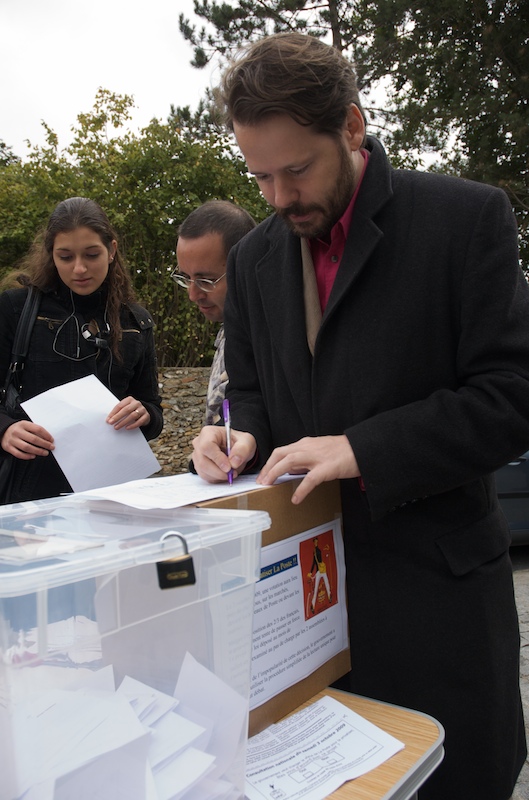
[297, 210]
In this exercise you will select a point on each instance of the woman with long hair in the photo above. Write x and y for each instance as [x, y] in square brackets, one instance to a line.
[87, 323]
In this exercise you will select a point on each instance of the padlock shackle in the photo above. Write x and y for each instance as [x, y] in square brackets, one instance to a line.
[168, 534]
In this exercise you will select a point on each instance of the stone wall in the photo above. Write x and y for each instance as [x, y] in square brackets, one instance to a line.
[183, 391]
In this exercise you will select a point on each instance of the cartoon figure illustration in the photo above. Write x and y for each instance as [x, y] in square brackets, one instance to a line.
[317, 559]
[318, 572]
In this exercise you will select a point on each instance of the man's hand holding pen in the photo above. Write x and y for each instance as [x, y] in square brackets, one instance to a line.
[210, 457]
[318, 458]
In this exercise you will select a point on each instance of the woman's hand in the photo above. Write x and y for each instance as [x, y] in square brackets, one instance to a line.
[129, 413]
[27, 440]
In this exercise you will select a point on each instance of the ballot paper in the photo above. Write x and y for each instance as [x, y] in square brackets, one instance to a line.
[90, 452]
[88, 739]
[63, 731]
[74, 640]
[148, 703]
[203, 694]
[24, 546]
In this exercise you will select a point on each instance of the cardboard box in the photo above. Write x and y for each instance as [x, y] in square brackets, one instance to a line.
[322, 506]
[102, 669]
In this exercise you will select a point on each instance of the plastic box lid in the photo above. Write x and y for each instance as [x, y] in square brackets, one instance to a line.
[54, 542]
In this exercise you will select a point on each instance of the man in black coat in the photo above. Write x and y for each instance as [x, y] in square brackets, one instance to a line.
[378, 332]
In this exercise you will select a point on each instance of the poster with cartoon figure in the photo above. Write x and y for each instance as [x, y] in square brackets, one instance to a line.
[300, 613]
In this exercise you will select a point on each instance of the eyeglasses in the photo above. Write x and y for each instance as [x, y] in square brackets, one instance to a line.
[205, 284]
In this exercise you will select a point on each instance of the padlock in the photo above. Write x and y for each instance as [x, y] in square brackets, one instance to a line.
[176, 571]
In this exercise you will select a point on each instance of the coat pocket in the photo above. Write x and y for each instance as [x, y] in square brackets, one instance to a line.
[471, 546]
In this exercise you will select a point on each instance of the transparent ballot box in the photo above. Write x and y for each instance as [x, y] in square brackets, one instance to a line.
[125, 650]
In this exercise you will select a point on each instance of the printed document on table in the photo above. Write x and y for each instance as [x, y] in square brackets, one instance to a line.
[90, 452]
[310, 754]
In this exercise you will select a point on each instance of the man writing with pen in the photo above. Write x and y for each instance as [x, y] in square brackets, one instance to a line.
[377, 332]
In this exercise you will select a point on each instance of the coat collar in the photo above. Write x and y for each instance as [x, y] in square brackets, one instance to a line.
[364, 233]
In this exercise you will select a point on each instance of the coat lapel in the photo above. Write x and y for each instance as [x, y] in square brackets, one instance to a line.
[280, 280]
[364, 233]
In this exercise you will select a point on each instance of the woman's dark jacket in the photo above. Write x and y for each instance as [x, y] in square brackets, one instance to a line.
[58, 355]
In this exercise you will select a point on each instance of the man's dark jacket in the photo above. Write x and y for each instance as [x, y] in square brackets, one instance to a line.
[422, 360]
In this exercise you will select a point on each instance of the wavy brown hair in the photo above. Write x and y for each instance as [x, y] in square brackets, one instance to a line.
[293, 74]
[38, 267]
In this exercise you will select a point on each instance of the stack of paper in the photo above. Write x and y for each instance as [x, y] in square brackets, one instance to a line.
[135, 743]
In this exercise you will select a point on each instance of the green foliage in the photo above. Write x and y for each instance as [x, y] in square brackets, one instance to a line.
[28, 193]
[206, 119]
[6, 155]
[147, 184]
[454, 75]
[459, 86]
[232, 24]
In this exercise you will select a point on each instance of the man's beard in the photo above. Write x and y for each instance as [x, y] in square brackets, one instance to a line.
[333, 205]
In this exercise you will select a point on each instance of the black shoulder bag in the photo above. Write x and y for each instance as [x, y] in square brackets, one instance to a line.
[10, 393]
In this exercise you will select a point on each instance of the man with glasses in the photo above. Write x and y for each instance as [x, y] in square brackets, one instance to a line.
[205, 238]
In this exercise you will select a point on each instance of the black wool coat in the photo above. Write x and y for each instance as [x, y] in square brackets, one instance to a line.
[422, 360]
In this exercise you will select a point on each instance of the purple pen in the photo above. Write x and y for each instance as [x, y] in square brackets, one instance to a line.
[227, 426]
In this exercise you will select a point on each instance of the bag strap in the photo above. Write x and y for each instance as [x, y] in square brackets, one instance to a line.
[22, 336]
